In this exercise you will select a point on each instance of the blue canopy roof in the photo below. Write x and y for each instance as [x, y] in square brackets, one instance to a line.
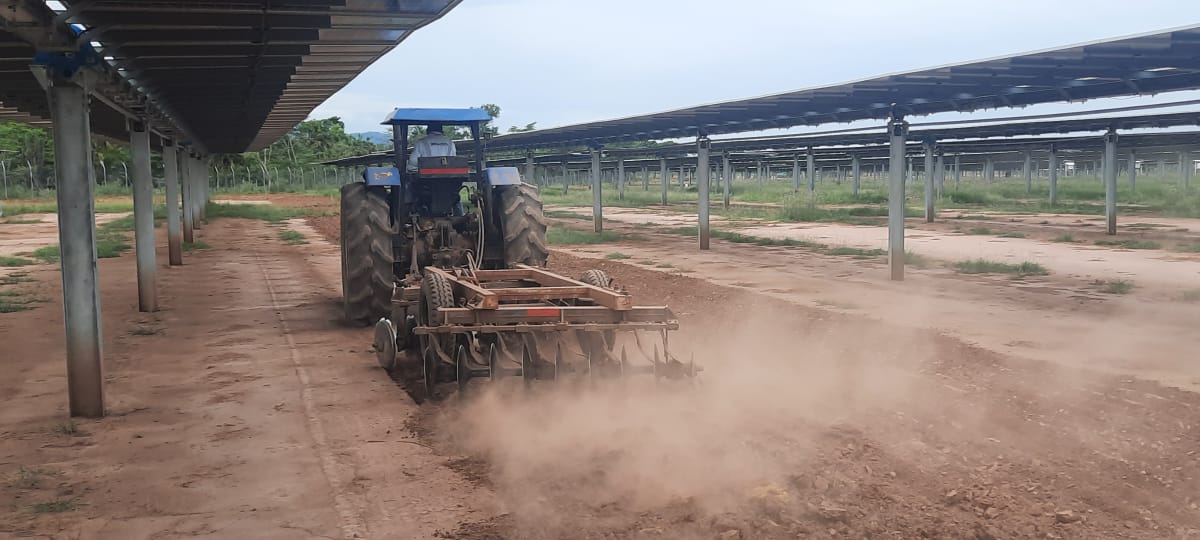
[445, 116]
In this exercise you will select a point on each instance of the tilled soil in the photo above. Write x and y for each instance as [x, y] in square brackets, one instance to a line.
[809, 423]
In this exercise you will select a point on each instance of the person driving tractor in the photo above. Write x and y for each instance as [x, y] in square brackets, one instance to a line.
[433, 144]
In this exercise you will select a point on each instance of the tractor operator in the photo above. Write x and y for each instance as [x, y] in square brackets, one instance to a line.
[433, 144]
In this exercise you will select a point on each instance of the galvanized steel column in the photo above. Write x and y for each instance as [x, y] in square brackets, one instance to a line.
[957, 170]
[760, 173]
[1028, 171]
[1132, 170]
[189, 197]
[597, 187]
[1188, 167]
[645, 178]
[897, 131]
[566, 177]
[929, 212]
[1053, 170]
[197, 175]
[856, 171]
[728, 177]
[989, 169]
[143, 217]
[529, 168]
[940, 170]
[174, 226]
[663, 175]
[810, 162]
[77, 248]
[702, 171]
[796, 173]
[621, 179]
[1110, 180]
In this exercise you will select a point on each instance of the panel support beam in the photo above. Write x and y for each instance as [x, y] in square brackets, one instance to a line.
[728, 177]
[174, 220]
[77, 241]
[597, 186]
[1110, 181]
[929, 164]
[1053, 175]
[702, 181]
[856, 171]
[897, 133]
[143, 218]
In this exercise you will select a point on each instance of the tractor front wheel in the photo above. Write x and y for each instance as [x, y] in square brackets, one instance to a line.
[367, 277]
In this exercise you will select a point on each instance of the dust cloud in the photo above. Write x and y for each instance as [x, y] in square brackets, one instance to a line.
[568, 452]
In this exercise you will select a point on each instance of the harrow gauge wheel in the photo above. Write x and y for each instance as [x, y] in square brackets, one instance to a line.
[385, 344]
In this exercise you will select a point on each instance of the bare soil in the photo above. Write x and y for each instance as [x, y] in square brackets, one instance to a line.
[249, 411]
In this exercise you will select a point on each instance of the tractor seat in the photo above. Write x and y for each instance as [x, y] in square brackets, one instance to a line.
[454, 167]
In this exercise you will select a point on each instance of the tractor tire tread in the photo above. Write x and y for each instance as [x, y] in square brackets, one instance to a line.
[366, 244]
[524, 226]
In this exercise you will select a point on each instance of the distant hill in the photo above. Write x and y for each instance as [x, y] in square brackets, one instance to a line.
[374, 137]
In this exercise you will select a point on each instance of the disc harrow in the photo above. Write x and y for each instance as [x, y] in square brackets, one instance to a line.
[524, 322]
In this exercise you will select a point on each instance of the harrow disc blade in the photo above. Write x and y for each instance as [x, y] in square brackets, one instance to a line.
[528, 367]
[462, 369]
[385, 344]
[429, 371]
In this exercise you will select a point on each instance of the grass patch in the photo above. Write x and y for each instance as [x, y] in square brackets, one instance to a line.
[664, 265]
[570, 237]
[28, 477]
[856, 252]
[616, 255]
[292, 237]
[144, 331]
[1130, 244]
[16, 301]
[739, 238]
[15, 278]
[1118, 286]
[1188, 248]
[21, 221]
[1011, 235]
[1064, 238]
[193, 246]
[69, 428]
[984, 266]
[10, 262]
[55, 506]
[916, 260]
[567, 215]
[1190, 296]
[978, 231]
[265, 212]
[47, 254]
[107, 248]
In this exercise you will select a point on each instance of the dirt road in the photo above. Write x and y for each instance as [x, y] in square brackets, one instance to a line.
[244, 409]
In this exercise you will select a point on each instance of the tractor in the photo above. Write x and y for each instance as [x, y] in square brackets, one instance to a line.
[448, 261]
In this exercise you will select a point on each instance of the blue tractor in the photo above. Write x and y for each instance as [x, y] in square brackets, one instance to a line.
[447, 212]
[447, 258]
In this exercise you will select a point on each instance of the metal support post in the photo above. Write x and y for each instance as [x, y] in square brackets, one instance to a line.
[664, 177]
[1028, 171]
[1110, 180]
[566, 177]
[174, 226]
[189, 197]
[645, 178]
[856, 171]
[77, 246]
[989, 169]
[597, 187]
[957, 170]
[143, 217]
[529, 168]
[727, 175]
[796, 173]
[810, 169]
[760, 173]
[1053, 171]
[929, 211]
[897, 132]
[940, 171]
[1132, 170]
[196, 172]
[1188, 167]
[621, 179]
[702, 179]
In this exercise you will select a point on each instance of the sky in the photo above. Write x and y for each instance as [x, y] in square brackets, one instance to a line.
[560, 62]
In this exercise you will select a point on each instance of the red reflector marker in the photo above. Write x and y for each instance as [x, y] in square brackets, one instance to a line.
[462, 170]
[542, 312]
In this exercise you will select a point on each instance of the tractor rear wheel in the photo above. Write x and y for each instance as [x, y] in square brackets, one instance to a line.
[367, 277]
[524, 226]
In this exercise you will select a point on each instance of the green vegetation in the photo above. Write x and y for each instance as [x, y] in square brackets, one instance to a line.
[1012, 235]
[9, 262]
[1188, 248]
[14, 301]
[265, 212]
[978, 230]
[664, 265]
[1130, 244]
[292, 237]
[616, 255]
[48, 254]
[15, 278]
[55, 506]
[916, 260]
[68, 428]
[29, 477]
[565, 237]
[1118, 286]
[984, 266]
[1190, 296]
[857, 253]
[21, 221]
[568, 215]
[193, 246]
[1064, 238]
[145, 331]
